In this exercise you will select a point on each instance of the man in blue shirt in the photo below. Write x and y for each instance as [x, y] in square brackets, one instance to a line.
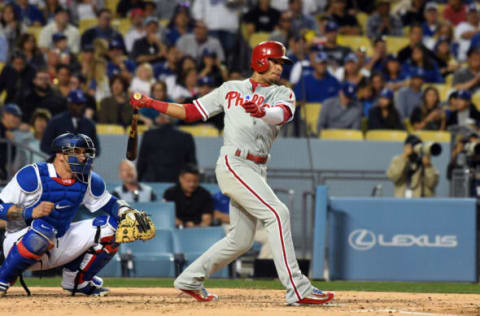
[318, 85]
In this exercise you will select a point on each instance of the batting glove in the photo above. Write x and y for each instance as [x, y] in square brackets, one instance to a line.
[253, 109]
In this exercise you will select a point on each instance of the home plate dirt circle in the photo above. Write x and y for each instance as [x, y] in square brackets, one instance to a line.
[232, 302]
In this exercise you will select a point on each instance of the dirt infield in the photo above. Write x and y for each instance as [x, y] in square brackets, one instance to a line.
[232, 302]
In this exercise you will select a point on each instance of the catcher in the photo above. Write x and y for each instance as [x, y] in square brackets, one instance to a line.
[39, 204]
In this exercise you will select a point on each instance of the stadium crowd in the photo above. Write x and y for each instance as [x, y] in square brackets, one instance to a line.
[401, 64]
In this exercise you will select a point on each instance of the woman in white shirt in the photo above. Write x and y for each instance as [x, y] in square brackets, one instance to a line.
[143, 80]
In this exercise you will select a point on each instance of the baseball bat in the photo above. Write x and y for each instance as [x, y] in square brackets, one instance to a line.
[133, 136]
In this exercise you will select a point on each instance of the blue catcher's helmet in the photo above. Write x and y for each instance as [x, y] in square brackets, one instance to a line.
[71, 144]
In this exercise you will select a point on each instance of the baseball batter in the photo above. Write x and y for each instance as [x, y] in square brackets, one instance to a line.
[255, 109]
[39, 204]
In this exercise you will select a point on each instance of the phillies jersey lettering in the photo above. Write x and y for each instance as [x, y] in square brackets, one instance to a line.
[241, 129]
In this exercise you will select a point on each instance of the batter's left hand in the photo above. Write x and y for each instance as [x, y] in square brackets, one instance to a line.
[253, 109]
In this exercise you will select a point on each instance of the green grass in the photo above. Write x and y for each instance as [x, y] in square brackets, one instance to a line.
[413, 287]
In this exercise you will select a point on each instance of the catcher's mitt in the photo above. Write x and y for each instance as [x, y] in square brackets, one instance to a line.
[134, 225]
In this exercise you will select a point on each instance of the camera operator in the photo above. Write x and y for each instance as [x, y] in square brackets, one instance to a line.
[466, 157]
[412, 172]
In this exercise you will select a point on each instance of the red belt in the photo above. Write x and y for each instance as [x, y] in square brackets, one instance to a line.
[256, 159]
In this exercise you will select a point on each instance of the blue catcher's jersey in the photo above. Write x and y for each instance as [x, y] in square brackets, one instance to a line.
[39, 182]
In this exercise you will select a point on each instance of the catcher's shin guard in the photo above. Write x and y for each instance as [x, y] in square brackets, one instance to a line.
[80, 273]
[25, 253]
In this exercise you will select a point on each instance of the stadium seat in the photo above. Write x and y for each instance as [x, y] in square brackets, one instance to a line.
[257, 38]
[362, 19]
[193, 242]
[395, 43]
[122, 25]
[161, 213]
[310, 114]
[386, 135]
[110, 129]
[355, 42]
[85, 24]
[154, 258]
[434, 136]
[476, 100]
[443, 90]
[210, 187]
[341, 134]
[1, 66]
[35, 31]
[112, 5]
[202, 130]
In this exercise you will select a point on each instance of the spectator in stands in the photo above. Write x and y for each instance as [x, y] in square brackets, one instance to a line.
[455, 12]
[347, 23]
[16, 78]
[10, 25]
[29, 14]
[80, 82]
[430, 25]
[468, 78]
[98, 82]
[416, 40]
[104, 30]
[193, 204]
[60, 24]
[413, 175]
[62, 82]
[115, 109]
[365, 96]
[414, 13]
[164, 151]
[307, 89]
[395, 78]
[137, 31]
[378, 84]
[336, 53]
[143, 80]
[10, 120]
[418, 60]
[118, 63]
[125, 6]
[42, 96]
[301, 22]
[211, 66]
[464, 112]
[459, 161]
[131, 190]
[223, 21]
[150, 9]
[382, 22]
[149, 49]
[446, 61]
[27, 44]
[384, 115]
[221, 211]
[3, 49]
[195, 44]
[49, 9]
[187, 86]
[261, 18]
[72, 120]
[85, 9]
[410, 97]
[167, 70]
[158, 92]
[60, 43]
[465, 31]
[283, 30]
[351, 70]
[343, 112]
[430, 115]
[38, 124]
[180, 24]
[379, 57]
[86, 60]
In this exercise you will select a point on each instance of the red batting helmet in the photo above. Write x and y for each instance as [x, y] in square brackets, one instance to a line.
[265, 50]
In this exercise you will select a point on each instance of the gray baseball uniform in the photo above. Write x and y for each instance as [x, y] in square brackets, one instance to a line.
[244, 181]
